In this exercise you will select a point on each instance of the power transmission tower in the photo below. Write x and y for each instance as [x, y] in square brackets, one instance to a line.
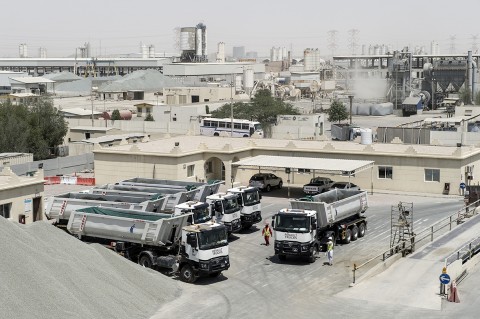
[353, 40]
[452, 44]
[332, 41]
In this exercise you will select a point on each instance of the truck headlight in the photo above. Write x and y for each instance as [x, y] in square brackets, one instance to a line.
[304, 247]
[277, 244]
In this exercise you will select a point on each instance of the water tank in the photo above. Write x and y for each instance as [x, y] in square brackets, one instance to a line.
[366, 136]
[187, 39]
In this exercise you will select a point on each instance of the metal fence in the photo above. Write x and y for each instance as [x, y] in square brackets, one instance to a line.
[464, 253]
[428, 235]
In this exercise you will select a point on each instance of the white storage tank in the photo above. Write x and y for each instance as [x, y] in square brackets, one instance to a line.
[366, 136]
[248, 80]
[187, 39]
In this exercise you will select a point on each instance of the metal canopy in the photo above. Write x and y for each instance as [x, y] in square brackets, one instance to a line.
[326, 165]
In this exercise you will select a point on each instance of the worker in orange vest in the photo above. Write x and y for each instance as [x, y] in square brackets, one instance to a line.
[267, 233]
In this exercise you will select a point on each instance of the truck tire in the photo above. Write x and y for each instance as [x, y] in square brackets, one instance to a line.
[216, 134]
[282, 257]
[187, 275]
[280, 185]
[313, 254]
[348, 236]
[268, 188]
[354, 233]
[145, 261]
[361, 230]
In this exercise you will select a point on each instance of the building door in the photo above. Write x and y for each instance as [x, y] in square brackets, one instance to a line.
[37, 211]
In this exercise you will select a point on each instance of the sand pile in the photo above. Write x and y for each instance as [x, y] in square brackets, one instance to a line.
[46, 273]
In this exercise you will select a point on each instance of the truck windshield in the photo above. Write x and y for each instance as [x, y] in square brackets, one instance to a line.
[231, 205]
[292, 223]
[201, 214]
[213, 238]
[251, 198]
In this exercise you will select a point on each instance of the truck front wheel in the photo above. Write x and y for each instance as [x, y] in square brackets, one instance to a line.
[187, 275]
[145, 261]
[313, 254]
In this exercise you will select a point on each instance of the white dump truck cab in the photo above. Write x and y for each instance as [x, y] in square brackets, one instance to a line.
[249, 200]
[295, 233]
[200, 211]
[204, 248]
[225, 210]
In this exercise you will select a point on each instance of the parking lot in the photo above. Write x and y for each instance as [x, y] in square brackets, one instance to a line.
[258, 282]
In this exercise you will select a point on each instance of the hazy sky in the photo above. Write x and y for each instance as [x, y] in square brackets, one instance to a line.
[118, 26]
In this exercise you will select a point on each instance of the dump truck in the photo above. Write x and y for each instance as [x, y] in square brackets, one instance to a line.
[156, 240]
[226, 210]
[304, 229]
[249, 201]
[60, 208]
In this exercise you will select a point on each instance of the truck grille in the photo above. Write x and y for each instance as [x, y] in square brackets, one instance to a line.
[219, 263]
[291, 247]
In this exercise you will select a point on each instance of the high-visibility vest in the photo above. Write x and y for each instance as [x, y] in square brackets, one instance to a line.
[329, 246]
[266, 232]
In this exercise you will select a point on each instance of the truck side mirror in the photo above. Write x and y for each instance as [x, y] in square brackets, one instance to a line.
[218, 207]
[259, 195]
[192, 240]
[273, 222]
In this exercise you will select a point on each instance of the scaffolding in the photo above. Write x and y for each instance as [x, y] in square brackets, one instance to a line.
[401, 231]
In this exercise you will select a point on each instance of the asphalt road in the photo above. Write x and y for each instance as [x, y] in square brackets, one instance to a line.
[258, 282]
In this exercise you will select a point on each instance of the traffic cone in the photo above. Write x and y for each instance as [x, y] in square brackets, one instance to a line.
[453, 297]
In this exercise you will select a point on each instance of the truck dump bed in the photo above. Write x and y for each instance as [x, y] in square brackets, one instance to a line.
[334, 205]
[127, 225]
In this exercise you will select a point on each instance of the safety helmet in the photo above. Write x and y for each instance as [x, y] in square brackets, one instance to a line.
[329, 238]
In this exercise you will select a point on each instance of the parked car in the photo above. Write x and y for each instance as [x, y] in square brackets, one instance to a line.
[345, 185]
[317, 185]
[265, 181]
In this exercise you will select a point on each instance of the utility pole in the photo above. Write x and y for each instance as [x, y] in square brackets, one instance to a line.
[231, 108]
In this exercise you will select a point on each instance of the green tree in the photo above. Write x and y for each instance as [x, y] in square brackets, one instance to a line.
[116, 115]
[149, 117]
[36, 129]
[337, 112]
[262, 108]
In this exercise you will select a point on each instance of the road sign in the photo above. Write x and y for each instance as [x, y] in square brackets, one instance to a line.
[444, 279]
[462, 185]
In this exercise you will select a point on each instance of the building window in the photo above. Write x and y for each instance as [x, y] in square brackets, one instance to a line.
[432, 175]
[5, 210]
[385, 172]
[190, 170]
[303, 171]
[209, 167]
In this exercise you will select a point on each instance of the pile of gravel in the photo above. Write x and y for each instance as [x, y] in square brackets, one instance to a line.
[46, 273]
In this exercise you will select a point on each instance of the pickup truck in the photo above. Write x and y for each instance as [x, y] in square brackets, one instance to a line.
[317, 185]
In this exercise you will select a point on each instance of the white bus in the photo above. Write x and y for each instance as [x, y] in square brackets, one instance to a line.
[241, 128]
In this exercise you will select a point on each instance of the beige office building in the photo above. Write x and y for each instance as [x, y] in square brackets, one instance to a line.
[21, 197]
[397, 167]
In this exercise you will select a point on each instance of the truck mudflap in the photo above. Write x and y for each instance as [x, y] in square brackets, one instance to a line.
[214, 265]
[252, 218]
[292, 248]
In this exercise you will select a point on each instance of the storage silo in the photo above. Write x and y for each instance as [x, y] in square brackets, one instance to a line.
[143, 50]
[284, 53]
[248, 80]
[311, 59]
[221, 52]
[238, 83]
